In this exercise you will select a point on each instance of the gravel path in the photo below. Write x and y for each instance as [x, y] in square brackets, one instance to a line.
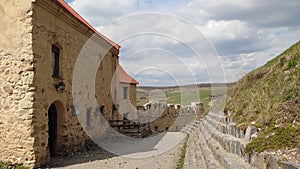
[97, 158]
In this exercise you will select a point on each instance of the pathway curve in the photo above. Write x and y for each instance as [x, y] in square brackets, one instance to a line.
[98, 158]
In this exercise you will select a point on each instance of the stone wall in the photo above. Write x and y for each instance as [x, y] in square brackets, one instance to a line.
[132, 94]
[169, 117]
[16, 82]
[29, 89]
[54, 26]
[125, 106]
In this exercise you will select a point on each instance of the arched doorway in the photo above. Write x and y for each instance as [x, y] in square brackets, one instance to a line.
[52, 130]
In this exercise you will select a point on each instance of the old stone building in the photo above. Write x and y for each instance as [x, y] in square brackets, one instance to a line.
[41, 41]
[127, 86]
[126, 94]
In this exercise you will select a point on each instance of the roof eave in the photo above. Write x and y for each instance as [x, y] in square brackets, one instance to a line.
[69, 9]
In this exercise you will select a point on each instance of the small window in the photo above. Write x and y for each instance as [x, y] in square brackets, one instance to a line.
[125, 92]
[55, 61]
[73, 111]
[115, 96]
[88, 117]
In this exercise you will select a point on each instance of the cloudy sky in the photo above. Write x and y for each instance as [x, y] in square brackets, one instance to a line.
[174, 42]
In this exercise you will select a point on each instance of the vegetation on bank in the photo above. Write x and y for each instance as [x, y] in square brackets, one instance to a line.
[183, 153]
[269, 98]
[274, 138]
[11, 166]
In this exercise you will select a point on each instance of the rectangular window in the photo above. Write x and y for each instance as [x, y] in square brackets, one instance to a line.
[125, 92]
[115, 96]
[55, 61]
[73, 111]
[88, 117]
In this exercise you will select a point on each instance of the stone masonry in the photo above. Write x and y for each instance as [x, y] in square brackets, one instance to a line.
[215, 142]
[16, 74]
[29, 29]
[169, 117]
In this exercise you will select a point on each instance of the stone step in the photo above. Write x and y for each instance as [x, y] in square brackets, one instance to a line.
[187, 129]
[233, 141]
[194, 159]
[223, 128]
[190, 157]
[230, 143]
[226, 128]
[220, 117]
[217, 117]
[226, 124]
[226, 159]
[199, 159]
[210, 161]
[190, 127]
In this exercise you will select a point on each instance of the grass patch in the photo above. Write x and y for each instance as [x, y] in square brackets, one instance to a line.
[11, 166]
[267, 97]
[291, 64]
[183, 152]
[274, 138]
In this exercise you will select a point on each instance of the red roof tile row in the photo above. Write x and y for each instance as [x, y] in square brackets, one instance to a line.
[63, 4]
[125, 78]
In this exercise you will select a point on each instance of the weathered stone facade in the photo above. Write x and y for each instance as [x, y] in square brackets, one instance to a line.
[16, 81]
[126, 95]
[131, 93]
[29, 94]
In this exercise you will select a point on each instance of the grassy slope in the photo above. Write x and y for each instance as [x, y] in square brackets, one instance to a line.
[270, 97]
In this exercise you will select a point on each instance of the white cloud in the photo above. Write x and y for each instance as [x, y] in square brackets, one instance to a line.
[257, 12]
[233, 36]
[245, 33]
[100, 12]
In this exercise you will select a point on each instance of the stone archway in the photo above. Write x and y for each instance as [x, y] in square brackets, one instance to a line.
[55, 120]
[52, 130]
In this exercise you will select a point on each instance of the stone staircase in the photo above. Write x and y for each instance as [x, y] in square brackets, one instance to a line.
[208, 147]
[215, 143]
[198, 154]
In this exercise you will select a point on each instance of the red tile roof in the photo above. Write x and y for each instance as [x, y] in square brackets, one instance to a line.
[125, 78]
[63, 4]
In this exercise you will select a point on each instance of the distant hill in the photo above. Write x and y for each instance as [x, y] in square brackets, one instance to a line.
[173, 94]
[269, 97]
[187, 86]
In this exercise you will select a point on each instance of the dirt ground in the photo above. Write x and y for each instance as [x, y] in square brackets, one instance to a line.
[97, 158]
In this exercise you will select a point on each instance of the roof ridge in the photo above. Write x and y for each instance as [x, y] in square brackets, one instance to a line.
[125, 77]
[78, 17]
